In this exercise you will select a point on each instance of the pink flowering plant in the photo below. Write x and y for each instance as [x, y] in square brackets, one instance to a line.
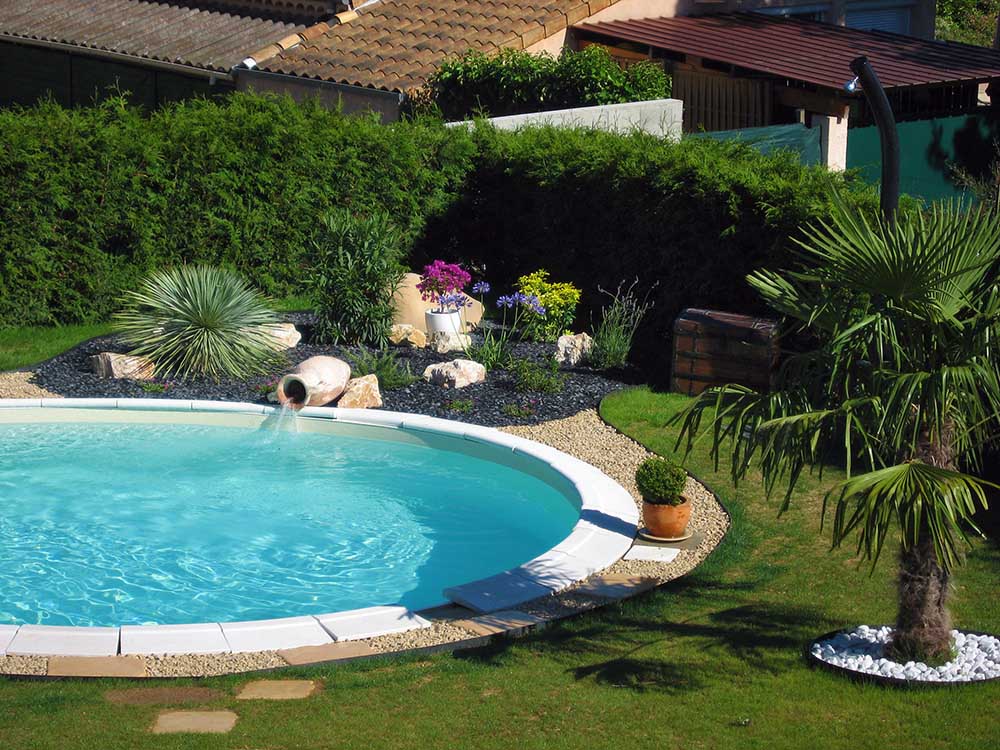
[443, 284]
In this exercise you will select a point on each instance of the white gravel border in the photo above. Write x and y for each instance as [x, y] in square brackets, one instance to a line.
[608, 522]
[977, 657]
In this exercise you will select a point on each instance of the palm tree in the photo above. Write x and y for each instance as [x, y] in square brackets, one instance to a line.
[903, 388]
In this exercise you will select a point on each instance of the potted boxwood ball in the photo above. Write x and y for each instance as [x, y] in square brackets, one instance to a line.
[665, 509]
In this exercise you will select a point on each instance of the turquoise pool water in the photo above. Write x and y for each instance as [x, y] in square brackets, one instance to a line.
[115, 524]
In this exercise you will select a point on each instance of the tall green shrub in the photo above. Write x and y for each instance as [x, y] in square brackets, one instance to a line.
[356, 270]
[515, 81]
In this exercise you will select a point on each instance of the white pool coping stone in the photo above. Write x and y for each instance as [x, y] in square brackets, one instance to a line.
[605, 532]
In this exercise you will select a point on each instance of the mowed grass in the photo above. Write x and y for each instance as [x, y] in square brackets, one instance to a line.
[29, 345]
[710, 661]
[23, 347]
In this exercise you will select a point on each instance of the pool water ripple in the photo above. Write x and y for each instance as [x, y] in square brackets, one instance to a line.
[116, 524]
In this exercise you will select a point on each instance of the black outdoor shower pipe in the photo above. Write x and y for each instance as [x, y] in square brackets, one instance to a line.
[878, 102]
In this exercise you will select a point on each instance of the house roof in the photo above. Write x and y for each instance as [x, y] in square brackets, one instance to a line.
[397, 44]
[809, 51]
[172, 32]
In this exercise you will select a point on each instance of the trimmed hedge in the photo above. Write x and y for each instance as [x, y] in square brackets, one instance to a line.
[514, 82]
[93, 199]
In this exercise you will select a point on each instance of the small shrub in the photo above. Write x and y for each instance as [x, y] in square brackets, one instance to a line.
[660, 481]
[459, 405]
[385, 365]
[520, 411]
[558, 299]
[535, 377]
[494, 352]
[356, 271]
[619, 321]
[153, 387]
[199, 320]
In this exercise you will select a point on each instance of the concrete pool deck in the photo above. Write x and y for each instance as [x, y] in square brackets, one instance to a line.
[567, 588]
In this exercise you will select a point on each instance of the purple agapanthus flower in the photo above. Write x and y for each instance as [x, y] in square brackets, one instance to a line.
[454, 301]
[481, 287]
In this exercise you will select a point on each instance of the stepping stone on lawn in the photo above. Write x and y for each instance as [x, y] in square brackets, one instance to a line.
[194, 722]
[277, 690]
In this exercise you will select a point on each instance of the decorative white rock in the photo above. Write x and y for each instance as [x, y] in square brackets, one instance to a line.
[112, 365]
[361, 393]
[863, 650]
[572, 350]
[314, 382]
[455, 374]
[403, 334]
[443, 342]
[286, 336]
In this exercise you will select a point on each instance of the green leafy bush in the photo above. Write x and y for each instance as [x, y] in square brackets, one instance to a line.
[355, 272]
[660, 481]
[199, 320]
[559, 300]
[620, 320]
[515, 81]
[385, 365]
[536, 377]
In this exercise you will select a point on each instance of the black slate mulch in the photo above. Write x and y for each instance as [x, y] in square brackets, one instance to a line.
[69, 375]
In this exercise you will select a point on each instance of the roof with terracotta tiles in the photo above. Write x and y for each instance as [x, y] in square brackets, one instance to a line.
[177, 32]
[397, 44]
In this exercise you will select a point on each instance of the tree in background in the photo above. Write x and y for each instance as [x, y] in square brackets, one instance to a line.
[968, 21]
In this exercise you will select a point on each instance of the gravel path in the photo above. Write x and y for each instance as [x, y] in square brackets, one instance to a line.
[21, 384]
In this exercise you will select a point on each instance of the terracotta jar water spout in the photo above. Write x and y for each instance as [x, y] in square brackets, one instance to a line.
[314, 382]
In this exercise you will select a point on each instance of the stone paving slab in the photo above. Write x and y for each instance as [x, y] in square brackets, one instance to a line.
[194, 722]
[654, 553]
[511, 622]
[277, 690]
[616, 585]
[7, 633]
[502, 591]
[370, 622]
[330, 652]
[97, 666]
[64, 640]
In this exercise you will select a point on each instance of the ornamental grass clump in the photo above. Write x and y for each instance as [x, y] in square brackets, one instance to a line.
[661, 482]
[199, 320]
[620, 320]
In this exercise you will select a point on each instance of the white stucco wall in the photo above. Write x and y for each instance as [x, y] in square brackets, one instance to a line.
[660, 117]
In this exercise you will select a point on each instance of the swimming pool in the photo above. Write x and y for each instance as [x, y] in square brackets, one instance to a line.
[158, 512]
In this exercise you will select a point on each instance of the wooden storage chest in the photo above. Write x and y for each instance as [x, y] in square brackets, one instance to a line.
[715, 348]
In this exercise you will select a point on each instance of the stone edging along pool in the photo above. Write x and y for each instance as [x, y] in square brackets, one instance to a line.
[604, 533]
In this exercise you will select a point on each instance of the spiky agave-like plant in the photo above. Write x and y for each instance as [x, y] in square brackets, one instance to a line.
[904, 385]
[199, 320]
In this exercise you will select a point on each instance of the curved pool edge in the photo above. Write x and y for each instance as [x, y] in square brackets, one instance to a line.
[605, 531]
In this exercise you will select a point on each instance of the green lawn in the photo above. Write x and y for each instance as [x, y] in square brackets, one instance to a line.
[711, 661]
[23, 347]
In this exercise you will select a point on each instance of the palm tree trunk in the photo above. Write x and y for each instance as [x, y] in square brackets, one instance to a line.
[923, 623]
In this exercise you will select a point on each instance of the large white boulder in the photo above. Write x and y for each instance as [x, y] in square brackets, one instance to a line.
[455, 374]
[572, 350]
[286, 336]
[443, 342]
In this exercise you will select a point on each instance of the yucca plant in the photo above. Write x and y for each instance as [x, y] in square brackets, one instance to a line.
[903, 387]
[199, 320]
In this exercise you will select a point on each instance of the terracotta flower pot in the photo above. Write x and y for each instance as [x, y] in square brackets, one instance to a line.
[667, 521]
